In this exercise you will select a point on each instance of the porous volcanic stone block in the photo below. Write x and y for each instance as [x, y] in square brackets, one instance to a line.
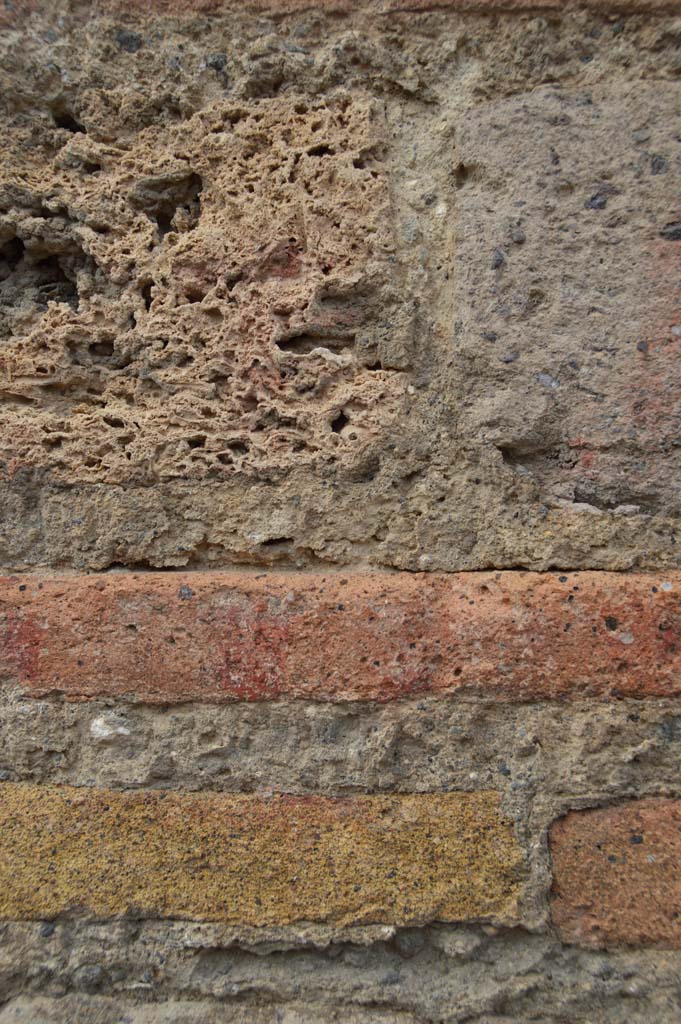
[314, 288]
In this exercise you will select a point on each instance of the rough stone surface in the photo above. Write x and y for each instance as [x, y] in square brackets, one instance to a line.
[443, 973]
[242, 255]
[544, 758]
[410, 285]
[99, 1010]
[249, 861]
[168, 638]
[599, 855]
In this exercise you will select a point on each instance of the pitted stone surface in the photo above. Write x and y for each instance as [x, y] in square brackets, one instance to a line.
[339, 286]
[435, 974]
[86, 1009]
[323, 288]
[570, 383]
[215, 295]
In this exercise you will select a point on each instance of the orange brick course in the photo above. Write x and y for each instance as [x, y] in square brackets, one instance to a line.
[254, 861]
[509, 636]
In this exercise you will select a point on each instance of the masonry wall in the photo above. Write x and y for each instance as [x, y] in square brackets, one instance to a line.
[340, 614]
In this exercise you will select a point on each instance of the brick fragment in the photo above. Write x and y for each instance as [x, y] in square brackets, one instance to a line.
[255, 861]
[174, 637]
[616, 874]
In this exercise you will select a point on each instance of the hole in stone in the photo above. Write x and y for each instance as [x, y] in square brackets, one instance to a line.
[11, 255]
[63, 118]
[214, 313]
[48, 214]
[233, 279]
[164, 222]
[303, 344]
[197, 442]
[55, 283]
[174, 204]
[238, 447]
[462, 174]
[8, 399]
[535, 298]
[194, 293]
[101, 349]
[320, 151]
[339, 422]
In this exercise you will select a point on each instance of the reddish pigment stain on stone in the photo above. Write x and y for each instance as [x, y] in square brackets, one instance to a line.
[20, 639]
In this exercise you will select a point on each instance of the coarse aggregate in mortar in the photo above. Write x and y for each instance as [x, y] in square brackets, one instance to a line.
[102, 1010]
[543, 759]
[556, 755]
[311, 288]
[423, 976]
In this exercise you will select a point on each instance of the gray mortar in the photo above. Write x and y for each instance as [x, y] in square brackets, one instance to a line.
[544, 759]
[434, 974]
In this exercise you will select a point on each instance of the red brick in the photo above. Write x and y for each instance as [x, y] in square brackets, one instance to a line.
[171, 637]
[616, 874]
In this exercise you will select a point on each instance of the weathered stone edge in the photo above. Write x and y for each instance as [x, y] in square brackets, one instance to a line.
[19, 9]
[416, 6]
